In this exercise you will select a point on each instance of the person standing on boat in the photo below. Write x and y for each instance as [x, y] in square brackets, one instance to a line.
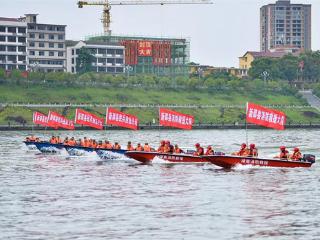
[296, 155]
[199, 150]
[210, 151]
[130, 147]
[253, 151]
[284, 153]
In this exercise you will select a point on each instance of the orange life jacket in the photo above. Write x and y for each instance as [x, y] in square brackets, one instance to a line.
[130, 148]
[139, 148]
[146, 148]
[161, 149]
[243, 152]
[209, 152]
[177, 150]
[117, 147]
[284, 154]
[253, 152]
[296, 156]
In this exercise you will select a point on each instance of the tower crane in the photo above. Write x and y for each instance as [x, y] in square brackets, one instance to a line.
[106, 16]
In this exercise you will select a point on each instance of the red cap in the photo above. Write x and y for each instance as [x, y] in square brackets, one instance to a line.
[243, 145]
[296, 149]
[282, 148]
[252, 145]
[209, 147]
[197, 145]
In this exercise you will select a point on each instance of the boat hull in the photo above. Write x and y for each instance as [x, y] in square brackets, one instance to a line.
[148, 157]
[232, 161]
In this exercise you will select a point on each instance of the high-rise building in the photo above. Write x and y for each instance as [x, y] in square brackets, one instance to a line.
[26, 44]
[285, 26]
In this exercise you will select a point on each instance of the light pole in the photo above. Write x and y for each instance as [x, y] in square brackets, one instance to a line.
[128, 69]
[200, 72]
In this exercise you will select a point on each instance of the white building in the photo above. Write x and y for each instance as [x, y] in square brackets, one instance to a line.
[108, 58]
[28, 45]
[13, 44]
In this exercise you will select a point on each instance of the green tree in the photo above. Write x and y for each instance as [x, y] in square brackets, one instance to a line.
[288, 67]
[84, 61]
[2, 74]
[16, 74]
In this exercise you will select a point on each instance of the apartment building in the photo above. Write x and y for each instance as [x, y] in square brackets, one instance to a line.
[26, 44]
[285, 25]
[13, 44]
[46, 45]
[107, 57]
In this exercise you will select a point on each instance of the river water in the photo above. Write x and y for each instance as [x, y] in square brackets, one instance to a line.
[58, 197]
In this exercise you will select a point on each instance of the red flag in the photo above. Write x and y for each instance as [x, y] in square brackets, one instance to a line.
[56, 120]
[175, 119]
[265, 117]
[115, 117]
[88, 119]
[40, 119]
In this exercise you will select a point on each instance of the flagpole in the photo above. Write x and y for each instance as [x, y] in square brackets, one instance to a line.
[246, 125]
[159, 123]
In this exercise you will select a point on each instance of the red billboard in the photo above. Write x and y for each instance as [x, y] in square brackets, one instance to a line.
[145, 48]
[161, 53]
[131, 51]
[171, 118]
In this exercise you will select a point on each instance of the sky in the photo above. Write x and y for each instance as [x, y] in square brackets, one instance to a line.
[219, 33]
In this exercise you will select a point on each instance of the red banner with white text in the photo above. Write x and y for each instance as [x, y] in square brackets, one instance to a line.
[171, 118]
[265, 117]
[88, 119]
[115, 117]
[56, 120]
[40, 119]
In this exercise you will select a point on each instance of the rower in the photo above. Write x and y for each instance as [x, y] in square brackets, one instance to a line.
[65, 142]
[253, 151]
[284, 154]
[130, 147]
[199, 150]
[79, 143]
[52, 140]
[146, 147]
[177, 149]
[116, 146]
[99, 144]
[139, 147]
[296, 155]
[161, 147]
[94, 144]
[107, 145]
[243, 150]
[58, 140]
[210, 151]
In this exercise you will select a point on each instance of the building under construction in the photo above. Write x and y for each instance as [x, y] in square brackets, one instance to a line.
[151, 55]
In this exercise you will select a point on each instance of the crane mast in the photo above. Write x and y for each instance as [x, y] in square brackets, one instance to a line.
[106, 15]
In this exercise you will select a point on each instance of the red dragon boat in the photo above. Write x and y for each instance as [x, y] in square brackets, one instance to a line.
[232, 161]
[148, 157]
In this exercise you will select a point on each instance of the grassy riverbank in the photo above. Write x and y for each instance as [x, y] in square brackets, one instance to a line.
[44, 94]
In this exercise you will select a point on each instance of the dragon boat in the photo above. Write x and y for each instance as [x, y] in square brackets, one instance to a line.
[149, 157]
[232, 161]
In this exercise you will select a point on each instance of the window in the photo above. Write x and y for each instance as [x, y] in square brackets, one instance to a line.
[12, 39]
[51, 36]
[41, 36]
[72, 51]
[21, 49]
[110, 60]
[22, 39]
[12, 30]
[72, 69]
[12, 58]
[110, 69]
[60, 45]
[22, 67]
[51, 54]
[41, 44]
[2, 48]
[21, 30]
[2, 38]
[12, 48]
[111, 51]
[119, 60]
[51, 28]
[41, 53]
[31, 44]
[60, 54]
[41, 27]
[21, 58]
[32, 35]
[32, 53]
[72, 60]
[77, 51]
[101, 51]
[119, 70]
[60, 28]
[2, 29]
[31, 27]
[51, 45]
[60, 37]
[119, 51]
